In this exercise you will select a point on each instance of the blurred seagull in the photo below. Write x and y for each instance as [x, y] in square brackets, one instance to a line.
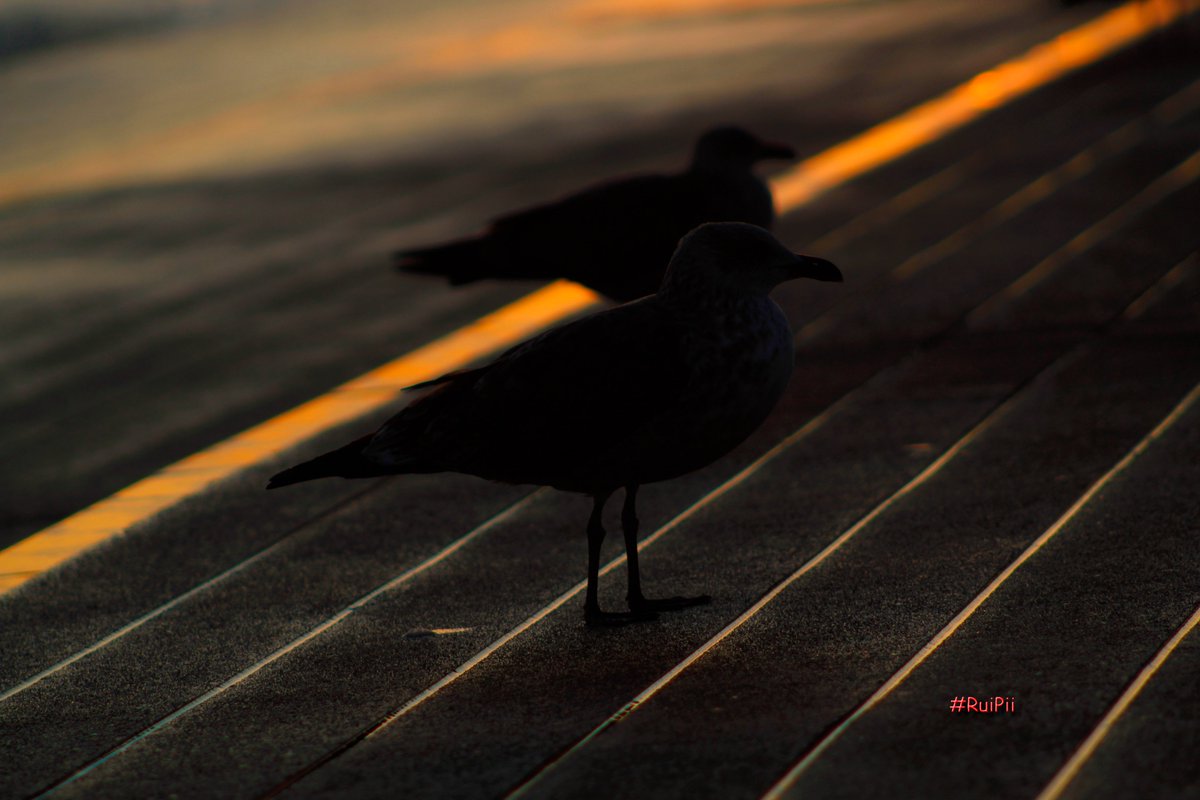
[639, 393]
[619, 235]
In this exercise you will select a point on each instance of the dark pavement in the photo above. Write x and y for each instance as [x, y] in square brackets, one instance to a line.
[1021, 310]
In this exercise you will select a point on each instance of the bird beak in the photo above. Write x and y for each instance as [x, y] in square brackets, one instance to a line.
[775, 150]
[816, 268]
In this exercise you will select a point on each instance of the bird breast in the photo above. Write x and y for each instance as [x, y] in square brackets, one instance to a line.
[739, 362]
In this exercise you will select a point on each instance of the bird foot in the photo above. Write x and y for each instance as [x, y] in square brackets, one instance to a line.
[641, 604]
[595, 618]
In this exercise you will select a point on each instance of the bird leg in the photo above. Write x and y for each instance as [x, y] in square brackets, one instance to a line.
[591, 610]
[637, 601]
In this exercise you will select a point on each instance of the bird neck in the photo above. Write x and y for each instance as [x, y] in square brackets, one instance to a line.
[702, 165]
[689, 299]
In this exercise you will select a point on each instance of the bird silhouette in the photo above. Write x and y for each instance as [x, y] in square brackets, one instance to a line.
[639, 393]
[616, 237]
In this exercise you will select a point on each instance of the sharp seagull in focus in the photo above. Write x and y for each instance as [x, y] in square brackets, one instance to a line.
[643, 392]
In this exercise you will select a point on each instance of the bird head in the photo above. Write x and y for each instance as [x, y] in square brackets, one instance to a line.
[730, 147]
[736, 259]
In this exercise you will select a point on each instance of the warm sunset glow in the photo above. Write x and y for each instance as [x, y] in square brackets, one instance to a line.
[518, 320]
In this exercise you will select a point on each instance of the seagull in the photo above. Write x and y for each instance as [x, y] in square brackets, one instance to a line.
[619, 234]
[638, 393]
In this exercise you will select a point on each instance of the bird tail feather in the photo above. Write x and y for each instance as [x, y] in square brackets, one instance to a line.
[345, 462]
[460, 262]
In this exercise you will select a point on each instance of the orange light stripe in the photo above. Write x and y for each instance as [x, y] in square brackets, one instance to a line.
[812, 177]
[969, 101]
[349, 401]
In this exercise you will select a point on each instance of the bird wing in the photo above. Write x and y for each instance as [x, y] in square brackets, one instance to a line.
[644, 197]
[602, 233]
[547, 408]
